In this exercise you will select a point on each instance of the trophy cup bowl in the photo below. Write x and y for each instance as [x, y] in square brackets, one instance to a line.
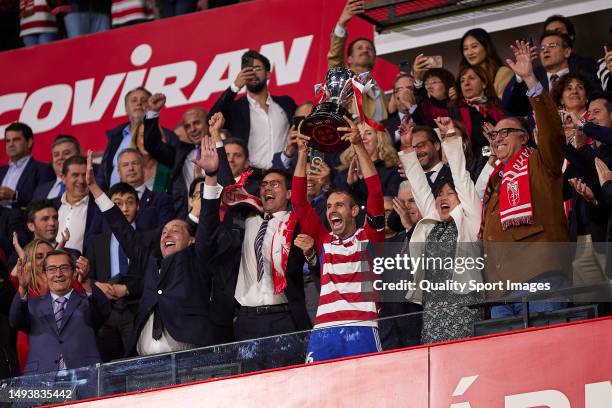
[323, 123]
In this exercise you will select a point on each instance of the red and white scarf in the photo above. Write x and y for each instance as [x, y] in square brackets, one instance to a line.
[515, 206]
[236, 194]
[279, 251]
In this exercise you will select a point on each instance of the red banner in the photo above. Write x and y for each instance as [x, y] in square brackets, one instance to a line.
[77, 86]
[567, 366]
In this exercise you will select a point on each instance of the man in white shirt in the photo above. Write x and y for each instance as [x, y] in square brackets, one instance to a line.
[266, 307]
[260, 119]
[76, 213]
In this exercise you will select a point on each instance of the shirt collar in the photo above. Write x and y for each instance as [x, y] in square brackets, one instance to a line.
[84, 200]
[253, 102]
[558, 73]
[437, 167]
[67, 295]
[21, 162]
[140, 190]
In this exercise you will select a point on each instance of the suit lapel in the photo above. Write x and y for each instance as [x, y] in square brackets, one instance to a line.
[27, 171]
[3, 171]
[73, 302]
[105, 259]
[146, 200]
[47, 309]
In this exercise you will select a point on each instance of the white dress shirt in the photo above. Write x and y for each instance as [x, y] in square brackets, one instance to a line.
[147, 345]
[73, 217]
[189, 168]
[564, 71]
[436, 170]
[268, 133]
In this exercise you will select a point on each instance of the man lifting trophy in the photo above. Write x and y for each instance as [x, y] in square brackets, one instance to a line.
[333, 100]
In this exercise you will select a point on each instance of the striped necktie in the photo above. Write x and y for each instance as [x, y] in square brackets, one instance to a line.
[58, 312]
[258, 243]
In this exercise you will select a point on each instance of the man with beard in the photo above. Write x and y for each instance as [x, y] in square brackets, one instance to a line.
[360, 57]
[120, 137]
[258, 118]
[346, 317]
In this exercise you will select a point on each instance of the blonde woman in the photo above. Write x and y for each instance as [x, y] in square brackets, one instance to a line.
[378, 144]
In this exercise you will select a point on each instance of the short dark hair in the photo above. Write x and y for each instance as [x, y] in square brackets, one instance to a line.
[349, 51]
[557, 90]
[123, 188]
[571, 30]
[431, 134]
[566, 40]
[139, 88]
[599, 95]
[447, 78]
[255, 55]
[345, 191]
[25, 130]
[58, 252]
[37, 205]
[61, 138]
[437, 188]
[239, 142]
[194, 183]
[80, 160]
[283, 173]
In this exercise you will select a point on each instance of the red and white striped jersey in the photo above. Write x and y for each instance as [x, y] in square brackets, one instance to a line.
[346, 281]
[346, 293]
[125, 11]
[36, 18]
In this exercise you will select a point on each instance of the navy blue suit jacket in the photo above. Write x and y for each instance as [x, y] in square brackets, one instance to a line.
[34, 174]
[178, 285]
[237, 115]
[154, 210]
[75, 339]
[115, 136]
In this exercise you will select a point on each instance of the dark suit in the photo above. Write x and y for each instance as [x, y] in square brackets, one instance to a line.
[115, 335]
[515, 100]
[115, 137]
[177, 287]
[223, 243]
[75, 339]
[33, 174]
[94, 223]
[154, 210]
[393, 122]
[9, 367]
[237, 115]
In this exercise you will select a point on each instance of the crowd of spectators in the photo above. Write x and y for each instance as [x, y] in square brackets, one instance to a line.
[32, 22]
[232, 228]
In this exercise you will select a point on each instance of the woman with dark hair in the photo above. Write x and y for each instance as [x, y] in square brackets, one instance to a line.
[450, 223]
[476, 105]
[570, 93]
[433, 90]
[477, 50]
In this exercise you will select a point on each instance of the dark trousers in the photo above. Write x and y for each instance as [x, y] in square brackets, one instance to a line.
[400, 331]
[114, 336]
[171, 8]
[252, 326]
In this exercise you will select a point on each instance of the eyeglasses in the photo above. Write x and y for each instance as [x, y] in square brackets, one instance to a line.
[65, 268]
[257, 68]
[430, 83]
[272, 184]
[403, 88]
[503, 133]
[421, 145]
[543, 47]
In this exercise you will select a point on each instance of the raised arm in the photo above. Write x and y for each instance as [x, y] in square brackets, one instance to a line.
[161, 151]
[335, 56]
[113, 216]
[416, 176]
[310, 222]
[453, 149]
[551, 138]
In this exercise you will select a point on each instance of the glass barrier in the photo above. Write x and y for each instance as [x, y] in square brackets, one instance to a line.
[443, 320]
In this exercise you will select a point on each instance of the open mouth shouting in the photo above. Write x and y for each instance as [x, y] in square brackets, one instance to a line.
[336, 222]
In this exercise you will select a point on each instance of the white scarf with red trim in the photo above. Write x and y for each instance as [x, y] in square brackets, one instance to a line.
[279, 251]
[236, 194]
